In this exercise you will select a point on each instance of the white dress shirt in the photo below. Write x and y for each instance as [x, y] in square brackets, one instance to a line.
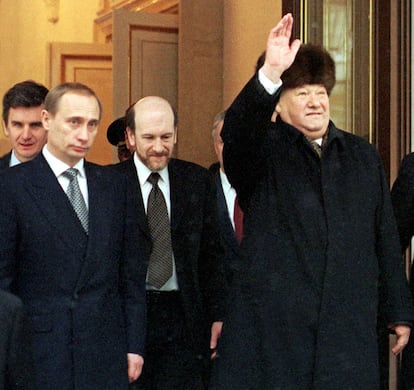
[59, 167]
[229, 194]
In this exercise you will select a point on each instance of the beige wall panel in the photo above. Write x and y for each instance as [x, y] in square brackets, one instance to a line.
[144, 57]
[200, 77]
[154, 61]
[246, 27]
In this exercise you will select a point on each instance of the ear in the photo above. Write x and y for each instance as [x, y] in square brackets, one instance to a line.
[131, 137]
[5, 129]
[175, 135]
[45, 119]
[278, 109]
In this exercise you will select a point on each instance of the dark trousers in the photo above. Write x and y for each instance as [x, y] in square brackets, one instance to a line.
[169, 361]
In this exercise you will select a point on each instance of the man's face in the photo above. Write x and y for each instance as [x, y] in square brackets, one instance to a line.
[155, 136]
[72, 130]
[306, 108]
[218, 144]
[25, 130]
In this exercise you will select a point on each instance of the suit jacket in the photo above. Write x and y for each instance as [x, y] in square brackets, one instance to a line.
[84, 295]
[16, 371]
[403, 201]
[196, 245]
[5, 161]
[229, 239]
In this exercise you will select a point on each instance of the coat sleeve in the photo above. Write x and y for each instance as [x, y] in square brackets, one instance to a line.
[19, 358]
[133, 273]
[245, 134]
[211, 268]
[8, 235]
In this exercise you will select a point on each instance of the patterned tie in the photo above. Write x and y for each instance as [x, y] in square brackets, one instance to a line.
[317, 148]
[238, 219]
[75, 196]
[160, 265]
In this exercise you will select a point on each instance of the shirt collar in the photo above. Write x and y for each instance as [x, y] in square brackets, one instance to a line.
[293, 133]
[58, 166]
[13, 159]
[143, 171]
[224, 181]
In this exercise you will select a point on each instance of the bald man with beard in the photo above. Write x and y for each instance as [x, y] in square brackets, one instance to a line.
[185, 310]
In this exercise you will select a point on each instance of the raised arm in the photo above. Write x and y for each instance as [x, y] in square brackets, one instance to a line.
[280, 53]
[247, 125]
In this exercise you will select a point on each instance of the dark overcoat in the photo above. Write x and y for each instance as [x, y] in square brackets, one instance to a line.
[84, 295]
[402, 196]
[320, 239]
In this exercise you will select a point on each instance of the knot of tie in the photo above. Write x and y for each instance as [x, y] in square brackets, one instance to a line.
[71, 173]
[153, 178]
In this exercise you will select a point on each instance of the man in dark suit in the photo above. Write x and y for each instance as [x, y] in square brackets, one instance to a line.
[74, 258]
[320, 236]
[185, 308]
[16, 370]
[402, 196]
[230, 215]
[22, 122]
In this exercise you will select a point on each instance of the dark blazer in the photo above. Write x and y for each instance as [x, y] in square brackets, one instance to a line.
[16, 371]
[85, 296]
[196, 245]
[5, 161]
[403, 201]
[319, 239]
[231, 245]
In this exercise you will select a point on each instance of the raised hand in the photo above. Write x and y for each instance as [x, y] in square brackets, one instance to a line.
[280, 53]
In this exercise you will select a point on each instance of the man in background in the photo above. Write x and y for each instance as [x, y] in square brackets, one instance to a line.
[116, 135]
[229, 211]
[22, 122]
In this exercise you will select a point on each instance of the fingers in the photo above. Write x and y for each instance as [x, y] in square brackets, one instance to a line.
[284, 27]
[135, 363]
[401, 343]
[403, 334]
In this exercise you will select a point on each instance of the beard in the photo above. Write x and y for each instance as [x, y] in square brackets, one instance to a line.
[155, 161]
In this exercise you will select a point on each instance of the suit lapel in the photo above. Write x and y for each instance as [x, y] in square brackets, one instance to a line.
[97, 199]
[133, 181]
[49, 196]
[179, 193]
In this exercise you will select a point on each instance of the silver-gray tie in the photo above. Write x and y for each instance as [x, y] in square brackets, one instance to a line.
[160, 264]
[76, 198]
